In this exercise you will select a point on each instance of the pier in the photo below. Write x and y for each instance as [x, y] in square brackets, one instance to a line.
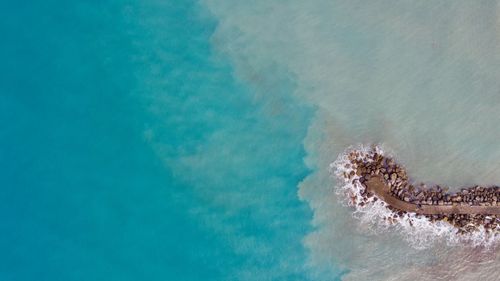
[381, 178]
[377, 186]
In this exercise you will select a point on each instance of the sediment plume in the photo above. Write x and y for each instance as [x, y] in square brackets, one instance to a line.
[372, 180]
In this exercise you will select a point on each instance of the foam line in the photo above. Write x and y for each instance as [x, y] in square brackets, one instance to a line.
[419, 230]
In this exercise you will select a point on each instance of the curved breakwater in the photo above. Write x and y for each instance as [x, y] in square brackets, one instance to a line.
[383, 194]
[481, 202]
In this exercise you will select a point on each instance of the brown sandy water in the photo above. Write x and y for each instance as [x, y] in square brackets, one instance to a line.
[419, 78]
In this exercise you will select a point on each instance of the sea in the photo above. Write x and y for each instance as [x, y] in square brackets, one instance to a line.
[195, 139]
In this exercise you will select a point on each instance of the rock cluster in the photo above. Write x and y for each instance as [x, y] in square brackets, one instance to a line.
[402, 188]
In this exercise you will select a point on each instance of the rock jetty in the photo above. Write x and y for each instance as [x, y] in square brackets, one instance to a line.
[382, 178]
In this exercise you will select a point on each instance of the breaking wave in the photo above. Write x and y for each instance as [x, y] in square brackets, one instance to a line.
[418, 230]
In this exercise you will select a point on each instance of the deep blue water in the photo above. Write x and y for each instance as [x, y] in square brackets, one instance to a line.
[130, 152]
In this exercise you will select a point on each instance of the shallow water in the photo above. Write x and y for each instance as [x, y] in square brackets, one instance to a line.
[420, 79]
[153, 140]
[131, 152]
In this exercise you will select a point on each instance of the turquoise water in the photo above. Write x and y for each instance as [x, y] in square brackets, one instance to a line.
[131, 152]
[419, 78]
[192, 140]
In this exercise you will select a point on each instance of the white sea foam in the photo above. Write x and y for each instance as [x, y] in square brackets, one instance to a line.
[421, 77]
[418, 230]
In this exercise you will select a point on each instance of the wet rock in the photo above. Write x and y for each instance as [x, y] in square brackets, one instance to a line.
[394, 176]
[399, 186]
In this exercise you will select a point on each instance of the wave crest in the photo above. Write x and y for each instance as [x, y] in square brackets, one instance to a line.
[418, 230]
